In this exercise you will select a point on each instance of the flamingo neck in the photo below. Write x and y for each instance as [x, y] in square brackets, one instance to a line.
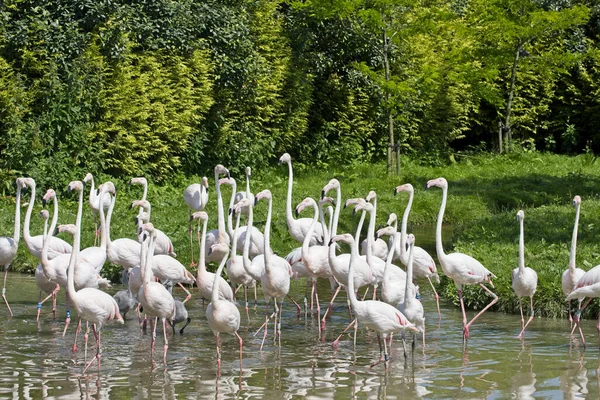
[370, 234]
[75, 253]
[311, 228]
[521, 248]
[103, 239]
[403, 228]
[220, 213]
[246, 251]
[148, 275]
[353, 258]
[26, 233]
[44, 256]
[108, 219]
[439, 248]
[17, 233]
[336, 212]
[214, 296]
[235, 235]
[408, 292]
[247, 186]
[202, 261]
[388, 261]
[288, 201]
[229, 216]
[321, 216]
[573, 252]
[268, 256]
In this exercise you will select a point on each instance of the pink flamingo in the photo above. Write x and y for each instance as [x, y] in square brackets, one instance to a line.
[524, 279]
[461, 268]
[572, 275]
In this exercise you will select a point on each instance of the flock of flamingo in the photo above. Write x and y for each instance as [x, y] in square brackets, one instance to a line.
[151, 270]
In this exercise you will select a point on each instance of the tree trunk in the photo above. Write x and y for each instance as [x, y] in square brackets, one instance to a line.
[511, 90]
[390, 117]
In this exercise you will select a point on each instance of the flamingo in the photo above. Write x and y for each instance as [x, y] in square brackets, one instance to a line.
[222, 315]
[125, 252]
[424, 266]
[276, 277]
[181, 314]
[587, 286]
[125, 301]
[572, 275]
[217, 235]
[315, 258]
[411, 306]
[96, 201]
[92, 305]
[41, 281]
[257, 238]
[9, 246]
[235, 266]
[204, 278]
[524, 279]
[297, 227]
[196, 198]
[247, 194]
[166, 268]
[393, 284]
[461, 268]
[376, 315]
[379, 248]
[154, 298]
[163, 244]
[376, 264]
[35, 243]
[96, 255]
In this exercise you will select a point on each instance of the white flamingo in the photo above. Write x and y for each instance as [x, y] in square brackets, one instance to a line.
[166, 268]
[376, 315]
[376, 264]
[96, 255]
[217, 235]
[524, 279]
[125, 252]
[196, 198]
[394, 281]
[235, 266]
[572, 275]
[163, 244]
[9, 246]
[424, 265]
[41, 281]
[257, 240]
[155, 298]
[461, 268]
[411, 306]
[35, 243]
[92, 305]
[587, 286]
[276, 278]
[222, 315]
[297, 227]
[95, 201]
[379, 248]
[204, 278]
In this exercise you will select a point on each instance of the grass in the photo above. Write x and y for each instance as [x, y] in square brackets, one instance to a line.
[485, 192]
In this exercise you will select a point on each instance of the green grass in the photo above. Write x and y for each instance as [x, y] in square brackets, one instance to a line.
[485, 192]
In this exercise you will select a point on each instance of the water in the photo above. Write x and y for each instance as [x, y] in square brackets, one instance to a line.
[36, 361]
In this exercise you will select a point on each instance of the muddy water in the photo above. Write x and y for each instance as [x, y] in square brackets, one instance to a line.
[36, 361]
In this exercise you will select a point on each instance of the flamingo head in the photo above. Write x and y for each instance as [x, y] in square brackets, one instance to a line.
[385, 231]
[88, 177]
[26, 182]
[50, 195]
[407, 187]
[148, 227]
[393, 218]
[265, 194]
[333, 184]
[344, 238]
[326, 200]
[285, 158]
[372, 195]
[237, 208]
[364, 206]
[410, 239]
[204, 182]
[138, 181]
[145, 204]
[520, 215]
[248, 172]
[227, 181]
[439, 182]
[220, 169]
[45, 214]
[576, 201]
[201, 215]
[307, 202]
[69, 228]
[75, 185]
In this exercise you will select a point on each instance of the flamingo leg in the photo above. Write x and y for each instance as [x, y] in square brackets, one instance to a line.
[491, 303]
[531, 315]
[192, 263]
[522, 318]
[279, 321]
[68, 320]
[317, 300]
[375, 286]
[4, 291]
[437, 297]
[381, 358]
[577, 318]
[266, 324]
[189, 295]
[53, 295]
[77, 330]
[246, 300]
[153, 322]
[570, 315]
[164, 324]
[298, 308]
[218, 355]
[98, 352]
[311, 295]
[336, 341]
[241, 349]
[85, 338]
[337, 290]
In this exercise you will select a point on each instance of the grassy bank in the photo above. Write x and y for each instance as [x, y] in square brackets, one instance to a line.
[485, 192]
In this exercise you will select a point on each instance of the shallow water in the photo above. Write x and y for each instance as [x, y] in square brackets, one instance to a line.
[36, 361]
